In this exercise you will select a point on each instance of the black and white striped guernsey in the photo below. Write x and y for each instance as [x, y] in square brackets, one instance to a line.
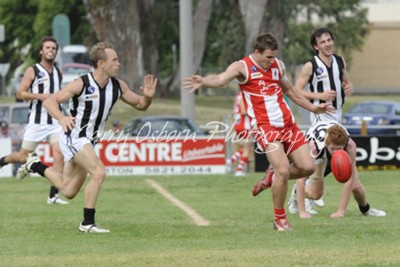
[92, 107]
[326, 78]
[44, 83]
[317, 135]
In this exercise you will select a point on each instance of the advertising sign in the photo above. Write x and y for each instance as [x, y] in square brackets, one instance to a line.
[5, 144]
[145, 157]
[378, 153]
[373, 153]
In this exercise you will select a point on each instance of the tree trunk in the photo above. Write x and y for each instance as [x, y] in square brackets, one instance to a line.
[201, 19]
[273, 22]
[253, 13]
[119, 23]
[262, 16]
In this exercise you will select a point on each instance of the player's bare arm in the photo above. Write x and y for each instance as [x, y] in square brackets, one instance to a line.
[148, 91]
[23, 90]
[297, 97]
[52, 103]
[347, 84]
[234, 71]
[302, 81]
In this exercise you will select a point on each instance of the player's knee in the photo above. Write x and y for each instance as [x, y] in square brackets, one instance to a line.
[316, 195]
[22, 155]
[309, 168]
[283, 172]
[69, 194]
[99, 174]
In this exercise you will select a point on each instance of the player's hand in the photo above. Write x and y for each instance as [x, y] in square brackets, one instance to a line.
[149, 86]
[348, 88]
[192, 83]
[328, 95]
[305, 215]
[67, 123]
[324, 108]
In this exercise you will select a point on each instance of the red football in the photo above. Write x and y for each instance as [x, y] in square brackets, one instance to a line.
[341, 166]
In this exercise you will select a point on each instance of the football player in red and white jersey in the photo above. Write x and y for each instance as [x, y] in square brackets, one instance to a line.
[244, 138]
[262, 79]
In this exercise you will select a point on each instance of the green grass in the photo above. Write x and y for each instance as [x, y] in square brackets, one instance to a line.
[147, 230]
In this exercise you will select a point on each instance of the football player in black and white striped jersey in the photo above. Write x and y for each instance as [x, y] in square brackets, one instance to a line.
[93, 96]
[324, 79]
[38, 83]
[325, 137]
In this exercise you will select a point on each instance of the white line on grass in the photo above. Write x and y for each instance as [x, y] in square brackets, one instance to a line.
[196, 218]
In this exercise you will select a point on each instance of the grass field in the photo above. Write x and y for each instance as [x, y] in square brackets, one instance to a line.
[147, 230]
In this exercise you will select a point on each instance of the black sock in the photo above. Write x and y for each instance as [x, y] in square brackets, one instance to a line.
[39, 168]
[364, 209]
[88, 216]
[2, 161]
[53, 191]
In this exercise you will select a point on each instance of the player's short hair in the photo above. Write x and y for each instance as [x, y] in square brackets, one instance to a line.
[265, 41]
[97, 52]
[337, 135]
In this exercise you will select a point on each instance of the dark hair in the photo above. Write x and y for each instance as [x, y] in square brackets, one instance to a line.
[265, 41]
[317, 33]
[48, 39]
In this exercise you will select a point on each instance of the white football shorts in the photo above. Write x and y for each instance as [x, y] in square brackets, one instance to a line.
[36, 133]
[70, 146]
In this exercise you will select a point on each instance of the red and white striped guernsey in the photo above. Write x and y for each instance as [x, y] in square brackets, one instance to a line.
[242, 121]
[263, 96]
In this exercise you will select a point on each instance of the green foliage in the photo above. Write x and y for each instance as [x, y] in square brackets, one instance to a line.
[18, 18]
[166, 32]
[27, 21]
[226, 35]
[347, 20]
[147, 230]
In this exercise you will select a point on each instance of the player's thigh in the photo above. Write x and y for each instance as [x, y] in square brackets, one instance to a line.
[87, 159]
[277, 157]
[302, 158]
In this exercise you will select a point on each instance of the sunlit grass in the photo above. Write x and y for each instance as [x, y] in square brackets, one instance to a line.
[147, 230]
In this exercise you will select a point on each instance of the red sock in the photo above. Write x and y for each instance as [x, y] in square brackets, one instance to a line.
[279, 214]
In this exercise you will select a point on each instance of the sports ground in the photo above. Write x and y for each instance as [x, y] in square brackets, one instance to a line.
[148, 229]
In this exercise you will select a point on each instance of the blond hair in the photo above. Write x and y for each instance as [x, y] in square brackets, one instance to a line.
[97, 52]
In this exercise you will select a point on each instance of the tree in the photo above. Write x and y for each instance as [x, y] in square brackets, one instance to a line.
[201, 20]
[346, 18]
[17, 31]
[226, 38]
[26, 22]
[144, 31]
[119, 23]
